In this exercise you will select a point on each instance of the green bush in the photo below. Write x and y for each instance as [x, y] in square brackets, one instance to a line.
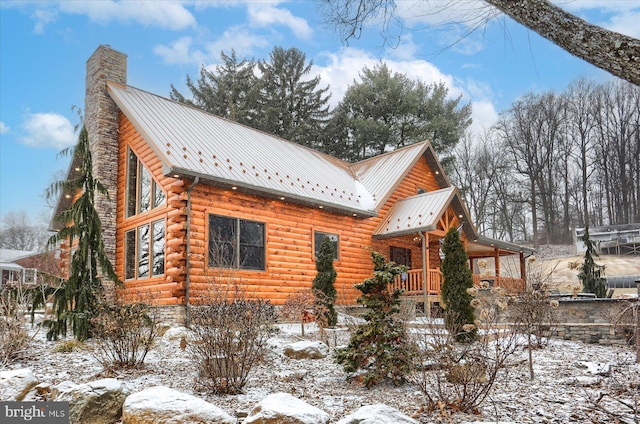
[379, 347]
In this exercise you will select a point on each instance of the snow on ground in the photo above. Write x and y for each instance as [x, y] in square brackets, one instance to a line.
[570, 378]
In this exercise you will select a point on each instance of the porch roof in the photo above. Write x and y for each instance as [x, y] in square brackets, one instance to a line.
[422, 212]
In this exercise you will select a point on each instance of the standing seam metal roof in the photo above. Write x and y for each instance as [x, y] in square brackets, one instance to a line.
[193, 142]
[422, 213]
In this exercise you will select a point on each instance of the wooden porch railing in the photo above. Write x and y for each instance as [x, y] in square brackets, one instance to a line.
[411, 282]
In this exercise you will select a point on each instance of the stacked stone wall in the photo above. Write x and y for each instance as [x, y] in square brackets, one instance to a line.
[101, 120]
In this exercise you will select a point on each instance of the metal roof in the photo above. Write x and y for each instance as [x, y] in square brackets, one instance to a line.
[422, 213]
[382, 174]
[191, 142]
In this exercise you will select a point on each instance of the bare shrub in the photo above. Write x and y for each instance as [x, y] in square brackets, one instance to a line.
[14, 335]
[303, 306]
[124, 330]
[626, 320]
[456, 376]
[230, 334]
[533, 312]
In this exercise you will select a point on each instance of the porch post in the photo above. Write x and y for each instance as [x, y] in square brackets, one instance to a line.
[425, 282]
[496, 259]
[523, 269]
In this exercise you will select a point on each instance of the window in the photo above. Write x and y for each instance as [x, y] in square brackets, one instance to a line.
[421, 191]
[142, 245]
[319, 236]
[143, 194]
[236, 243]
[400, 255]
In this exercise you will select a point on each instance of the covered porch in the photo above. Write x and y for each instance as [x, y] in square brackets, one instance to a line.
[413, 231]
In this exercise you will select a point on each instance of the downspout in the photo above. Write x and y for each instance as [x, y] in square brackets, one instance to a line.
[187, 296]
[427, 306]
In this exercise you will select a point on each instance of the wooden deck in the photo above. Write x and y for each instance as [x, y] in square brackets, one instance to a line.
[411, 282]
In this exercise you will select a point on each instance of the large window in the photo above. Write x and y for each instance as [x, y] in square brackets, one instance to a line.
[236, 243]
[143, 194]
[318, 238]
[144, 251]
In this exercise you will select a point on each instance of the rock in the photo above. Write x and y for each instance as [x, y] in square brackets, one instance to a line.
[307, 349]
[161, 404]
[96, 402]
[282, 408]
[177, 333]
[15, 384]
[377, 414]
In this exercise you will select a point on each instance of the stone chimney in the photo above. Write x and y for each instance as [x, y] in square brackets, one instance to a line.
[101, 121]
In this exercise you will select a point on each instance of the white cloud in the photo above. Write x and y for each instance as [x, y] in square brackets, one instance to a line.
[266, 14]
[180, 52]
[48, 130]
[43, 17]
[626, 23]
[484, 115]
[238, 38]
[184, 50]
[4, 128]
[169, 14]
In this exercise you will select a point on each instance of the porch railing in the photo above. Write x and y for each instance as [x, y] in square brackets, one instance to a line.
[411, 282]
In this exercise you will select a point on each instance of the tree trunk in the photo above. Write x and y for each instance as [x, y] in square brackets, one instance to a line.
[614, 52]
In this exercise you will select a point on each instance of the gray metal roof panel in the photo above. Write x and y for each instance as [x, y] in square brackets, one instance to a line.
[199, 143]
[381, 174]
[416, 213]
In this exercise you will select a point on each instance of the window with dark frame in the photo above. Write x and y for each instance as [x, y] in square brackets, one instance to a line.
[142, 192]
[318, 238]
[400, 255]
[144, 251]
[236, 243]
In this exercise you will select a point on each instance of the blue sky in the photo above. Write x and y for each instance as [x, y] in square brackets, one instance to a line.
[44, 46]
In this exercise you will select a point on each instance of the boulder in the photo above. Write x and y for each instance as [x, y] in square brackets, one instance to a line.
[165, 405]
[377, 414]
[96, 402]
[177, 333]
[282, 408]
[306, 349]
[15, 384]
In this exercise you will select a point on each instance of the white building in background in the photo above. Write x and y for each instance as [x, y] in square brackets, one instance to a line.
[622, 239]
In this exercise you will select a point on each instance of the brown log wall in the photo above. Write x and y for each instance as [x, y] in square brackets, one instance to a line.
[289, 228]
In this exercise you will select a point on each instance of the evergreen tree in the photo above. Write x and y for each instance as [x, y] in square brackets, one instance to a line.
[323, 283]
[290, 104]
[591, 274]
[229, 91]
[386, 110]
[457, 278]
[379, 346]
[79, 296]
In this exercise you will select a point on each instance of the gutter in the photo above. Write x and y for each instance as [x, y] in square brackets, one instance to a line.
[188, 265]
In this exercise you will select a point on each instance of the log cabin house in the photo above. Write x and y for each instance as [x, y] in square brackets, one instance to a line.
[192, 193]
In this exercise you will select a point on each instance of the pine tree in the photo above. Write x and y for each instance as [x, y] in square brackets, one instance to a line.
[323, 283]
[290, 104]
[457, 279]
[591, 274]
[229, 91]
[380, 345]
[79, 296]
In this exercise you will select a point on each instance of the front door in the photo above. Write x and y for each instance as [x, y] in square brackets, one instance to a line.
[400, 255]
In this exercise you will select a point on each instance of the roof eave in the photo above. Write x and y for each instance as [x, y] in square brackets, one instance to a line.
[271, 194]
[504, 245]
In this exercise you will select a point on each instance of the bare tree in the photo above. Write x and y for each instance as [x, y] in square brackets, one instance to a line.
[616, 53]
[20, 234]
